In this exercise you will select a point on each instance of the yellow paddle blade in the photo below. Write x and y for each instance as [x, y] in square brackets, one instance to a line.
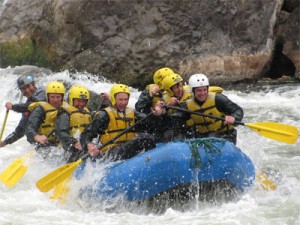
[57, 176]
[215, 89]
[276, 131]
[265, 182]
[61, 190]
[14, 172]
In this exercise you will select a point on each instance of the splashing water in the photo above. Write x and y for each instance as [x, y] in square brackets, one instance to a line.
[24, 204]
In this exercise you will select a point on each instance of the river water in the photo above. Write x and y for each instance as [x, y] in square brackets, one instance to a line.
[25, 204]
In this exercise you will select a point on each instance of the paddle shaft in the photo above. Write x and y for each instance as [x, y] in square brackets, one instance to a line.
[4, 123]
[262, 178]
[119, 135]
[202, 114]
[276, 131]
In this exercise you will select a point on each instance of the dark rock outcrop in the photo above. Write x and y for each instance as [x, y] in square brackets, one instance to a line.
[126, 40]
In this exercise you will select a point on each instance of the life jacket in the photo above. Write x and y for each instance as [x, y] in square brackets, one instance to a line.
[157, 97]
[187, 94]
[48, 124]
[117, 123]
[206, 125]
[79, 119]
[215, 89]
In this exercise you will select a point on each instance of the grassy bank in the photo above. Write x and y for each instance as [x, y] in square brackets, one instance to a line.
[24, 52]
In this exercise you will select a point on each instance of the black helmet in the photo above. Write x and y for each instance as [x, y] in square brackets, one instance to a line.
[24, 80]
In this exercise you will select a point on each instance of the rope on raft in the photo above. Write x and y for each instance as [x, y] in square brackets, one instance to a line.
[210, 148]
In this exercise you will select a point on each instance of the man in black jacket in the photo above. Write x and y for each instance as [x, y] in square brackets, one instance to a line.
[27, 86]
[72, 120]
[147, 100]
[110, 122]
[211, 104]
[41, 122]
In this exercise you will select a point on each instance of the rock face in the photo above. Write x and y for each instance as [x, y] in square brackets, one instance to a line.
[127, 40]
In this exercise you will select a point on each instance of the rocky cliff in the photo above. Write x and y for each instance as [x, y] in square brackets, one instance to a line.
[127, 40]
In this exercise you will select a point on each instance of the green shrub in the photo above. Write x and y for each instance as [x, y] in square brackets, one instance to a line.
[24, 52]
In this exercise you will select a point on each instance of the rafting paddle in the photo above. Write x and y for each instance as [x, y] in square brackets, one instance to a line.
[280, 132]
[4, 123]
[16, 170]
[265, 182]
[276, 131]
[61, 190]
[57, 176]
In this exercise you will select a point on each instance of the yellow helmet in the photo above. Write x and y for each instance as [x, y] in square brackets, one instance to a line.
[160, 74]
[169, 81]
[118, 88]
[79, 92]
[55, 87]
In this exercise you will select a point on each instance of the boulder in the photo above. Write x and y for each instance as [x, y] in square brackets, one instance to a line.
[127, 41]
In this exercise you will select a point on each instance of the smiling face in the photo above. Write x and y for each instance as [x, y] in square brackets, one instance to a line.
[178, 90]
[28, 90]
[200, 93]
[121, 101]
[79, 103]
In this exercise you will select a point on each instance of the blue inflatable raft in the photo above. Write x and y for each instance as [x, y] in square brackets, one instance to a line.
[175, 166]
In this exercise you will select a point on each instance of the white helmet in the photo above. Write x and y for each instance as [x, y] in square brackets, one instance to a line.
[198, 80]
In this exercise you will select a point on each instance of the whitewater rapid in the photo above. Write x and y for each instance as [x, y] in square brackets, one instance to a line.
[25, 204]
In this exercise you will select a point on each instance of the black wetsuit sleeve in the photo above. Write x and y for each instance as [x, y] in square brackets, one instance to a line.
[225, 105]
[144, 102]
[22, 107]
[35, 119]
[95, 128]
[62, 130]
